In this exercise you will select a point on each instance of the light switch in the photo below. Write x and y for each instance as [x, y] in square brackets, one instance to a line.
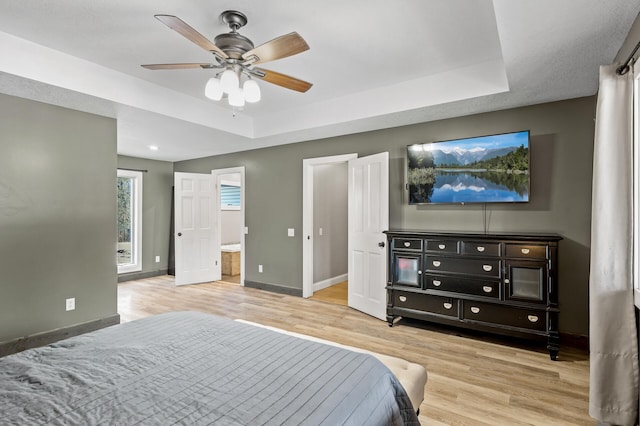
[246, 230]
[291, 232]
[320, 231]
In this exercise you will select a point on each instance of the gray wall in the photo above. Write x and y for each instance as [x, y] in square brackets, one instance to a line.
[57, 217]
[157, 183]
[561, 163]
[330, 209]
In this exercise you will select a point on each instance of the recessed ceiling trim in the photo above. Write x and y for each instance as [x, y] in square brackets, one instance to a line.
[32, 61]
[482, 79]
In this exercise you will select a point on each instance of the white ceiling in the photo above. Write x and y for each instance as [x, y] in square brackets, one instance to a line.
[373, 64]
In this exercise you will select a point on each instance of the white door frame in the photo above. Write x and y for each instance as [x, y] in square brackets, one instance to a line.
[307, 215]
[216, 175]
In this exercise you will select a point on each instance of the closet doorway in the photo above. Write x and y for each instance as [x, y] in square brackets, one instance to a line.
[367, 215]
[325, 224]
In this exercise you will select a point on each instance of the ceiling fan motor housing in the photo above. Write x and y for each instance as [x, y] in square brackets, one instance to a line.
[233, 44]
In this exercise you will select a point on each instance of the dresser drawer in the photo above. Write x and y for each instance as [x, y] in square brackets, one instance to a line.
[442, 246]
[407, 244]
[526, 251]
[472, 287]
[424, 302]
[478, 267]
[480, 248]
[530, 319]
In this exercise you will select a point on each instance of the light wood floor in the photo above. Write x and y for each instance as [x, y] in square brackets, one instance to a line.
[231, 279]
[336, 294]
[474, 379]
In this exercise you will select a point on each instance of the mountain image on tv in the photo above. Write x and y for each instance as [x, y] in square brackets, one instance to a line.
[463, 157]
[474, 170]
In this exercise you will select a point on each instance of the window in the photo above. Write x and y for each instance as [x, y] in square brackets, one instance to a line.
[129, 198]
[229, 196]
[636, 185]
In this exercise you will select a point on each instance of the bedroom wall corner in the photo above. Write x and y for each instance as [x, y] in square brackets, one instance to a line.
[57, 217]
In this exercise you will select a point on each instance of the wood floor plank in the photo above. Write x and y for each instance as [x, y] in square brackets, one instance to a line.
[474, 378]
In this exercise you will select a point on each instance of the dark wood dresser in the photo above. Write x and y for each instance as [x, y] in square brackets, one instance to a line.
[500, 283]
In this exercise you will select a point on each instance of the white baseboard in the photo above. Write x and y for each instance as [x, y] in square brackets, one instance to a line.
[329, 282]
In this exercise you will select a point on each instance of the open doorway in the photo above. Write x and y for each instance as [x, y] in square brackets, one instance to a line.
[367, 219]
[325, 224]
[230, 184]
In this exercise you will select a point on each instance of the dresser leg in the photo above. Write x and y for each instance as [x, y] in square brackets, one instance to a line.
[390, 320]
[553, 345]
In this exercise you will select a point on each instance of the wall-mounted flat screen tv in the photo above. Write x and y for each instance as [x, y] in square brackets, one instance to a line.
[484, 169]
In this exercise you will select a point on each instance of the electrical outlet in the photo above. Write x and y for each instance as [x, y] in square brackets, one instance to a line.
[157, 259]
[71, 304]
[260, 268]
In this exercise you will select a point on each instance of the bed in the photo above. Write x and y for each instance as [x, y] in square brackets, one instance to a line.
[196, 368]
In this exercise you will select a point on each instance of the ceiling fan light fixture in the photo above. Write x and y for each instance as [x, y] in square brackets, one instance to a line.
[234, 57]
[229, 81]
[213, 89]
[251, 91]
[236, 98]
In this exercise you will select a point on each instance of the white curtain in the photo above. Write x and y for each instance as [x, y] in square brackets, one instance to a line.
[613, 392]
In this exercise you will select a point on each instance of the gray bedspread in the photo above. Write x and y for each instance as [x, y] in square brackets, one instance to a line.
[192, 368]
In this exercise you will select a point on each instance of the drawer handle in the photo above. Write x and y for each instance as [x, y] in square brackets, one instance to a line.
[475, 309]
[533, 318]
[436, 283]
[402, 298]
[436, 263]
[487, 289]
[442, 246]
[480, 249]
[525, 251]
[487, 268]
[407, 244]
[447, 305]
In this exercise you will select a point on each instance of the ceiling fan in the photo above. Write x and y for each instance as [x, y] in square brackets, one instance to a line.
[236, 56]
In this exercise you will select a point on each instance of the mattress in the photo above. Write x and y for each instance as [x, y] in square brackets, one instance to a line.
[195, 368]
[412, 376]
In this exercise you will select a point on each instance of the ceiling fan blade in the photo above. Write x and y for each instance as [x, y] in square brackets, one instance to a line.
[278, 48]
[175, 66]
[184, 29]
[282, 80]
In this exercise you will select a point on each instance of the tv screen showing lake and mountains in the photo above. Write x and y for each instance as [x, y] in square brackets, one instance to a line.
[485, 169]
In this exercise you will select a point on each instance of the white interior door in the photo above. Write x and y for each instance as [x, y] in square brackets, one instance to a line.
[195, 228]
[368, 218]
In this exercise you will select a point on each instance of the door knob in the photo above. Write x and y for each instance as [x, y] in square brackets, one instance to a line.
[179, 234]
[381, 244]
